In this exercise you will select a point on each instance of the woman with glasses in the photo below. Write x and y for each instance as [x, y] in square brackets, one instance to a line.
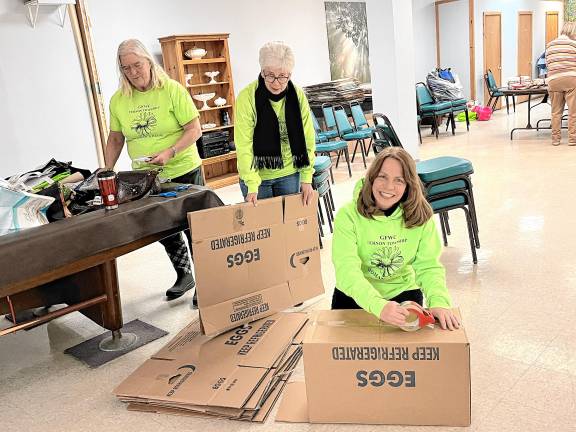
[273, 131]
[386, 249]
[157, 119]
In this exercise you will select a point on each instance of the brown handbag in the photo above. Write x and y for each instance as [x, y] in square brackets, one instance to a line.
[133, 185]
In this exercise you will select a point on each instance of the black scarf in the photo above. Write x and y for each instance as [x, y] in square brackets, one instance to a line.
[267, 150]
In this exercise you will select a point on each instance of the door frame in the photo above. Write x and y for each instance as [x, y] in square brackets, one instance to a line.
[521, 99]
[520, 13]
[546, 25]
[498, 76]
[472, 51]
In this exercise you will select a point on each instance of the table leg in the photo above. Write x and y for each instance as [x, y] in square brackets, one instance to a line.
[102, 279]
[529, 126]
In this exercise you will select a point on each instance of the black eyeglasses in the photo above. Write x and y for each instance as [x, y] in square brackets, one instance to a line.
[270, 78]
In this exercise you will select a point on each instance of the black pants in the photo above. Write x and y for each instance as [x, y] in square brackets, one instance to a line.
[174, 245]
[342, 301]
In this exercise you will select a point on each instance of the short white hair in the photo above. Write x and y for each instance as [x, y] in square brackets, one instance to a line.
[276, 54]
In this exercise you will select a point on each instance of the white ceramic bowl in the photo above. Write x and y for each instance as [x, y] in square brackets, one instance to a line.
[211, 75]
[195, 53]
[208, 125]
[220, 101]
[204, 97]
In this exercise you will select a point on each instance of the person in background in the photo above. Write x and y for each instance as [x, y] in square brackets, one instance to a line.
[386, 248]
[273, 131]
[157, 119]
[561, 64]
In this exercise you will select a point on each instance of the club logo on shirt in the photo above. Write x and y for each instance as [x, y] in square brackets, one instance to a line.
[385, 261]
[144, 124]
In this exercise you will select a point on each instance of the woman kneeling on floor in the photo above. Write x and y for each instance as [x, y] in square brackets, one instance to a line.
[386, 248]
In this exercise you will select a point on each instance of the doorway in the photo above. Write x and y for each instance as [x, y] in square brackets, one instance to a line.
[551, 26]
[524, 48]
[493, 50]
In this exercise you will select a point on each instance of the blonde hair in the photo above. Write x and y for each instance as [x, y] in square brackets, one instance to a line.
[416, 209]
[134, 46]
[276, 54]
[569, 29]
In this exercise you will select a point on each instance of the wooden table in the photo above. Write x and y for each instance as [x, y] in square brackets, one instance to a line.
[73, 261]
[539, 91]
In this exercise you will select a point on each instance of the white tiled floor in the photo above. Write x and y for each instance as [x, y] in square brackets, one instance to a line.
[518, 304]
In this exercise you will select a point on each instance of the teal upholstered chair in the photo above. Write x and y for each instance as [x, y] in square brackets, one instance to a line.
[322, 135]
[359, 119]
[348, 132]
[429, 108]
[339, 147]
[495, 93]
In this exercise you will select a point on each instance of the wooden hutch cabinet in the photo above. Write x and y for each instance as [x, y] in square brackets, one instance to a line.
[220, 170]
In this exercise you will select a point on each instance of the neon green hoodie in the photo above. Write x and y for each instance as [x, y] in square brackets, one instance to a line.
[375, 260]
[245, 112]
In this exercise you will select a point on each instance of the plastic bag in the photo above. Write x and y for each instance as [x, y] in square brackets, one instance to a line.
[483, 112]
[444, 90]
[20, 210]
[471, 116]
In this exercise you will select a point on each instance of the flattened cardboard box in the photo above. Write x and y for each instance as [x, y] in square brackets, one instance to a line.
[225, 372]
[252, 262]
[358, 370]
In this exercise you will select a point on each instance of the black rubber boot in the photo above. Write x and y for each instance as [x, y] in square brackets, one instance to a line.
[27, 314]
[184, 282]
[195, 299]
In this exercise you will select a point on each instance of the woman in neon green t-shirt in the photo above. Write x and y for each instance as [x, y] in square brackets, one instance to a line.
[386, 249]
[157, 119]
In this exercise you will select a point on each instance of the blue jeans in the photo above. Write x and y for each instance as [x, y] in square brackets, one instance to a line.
[275, 187]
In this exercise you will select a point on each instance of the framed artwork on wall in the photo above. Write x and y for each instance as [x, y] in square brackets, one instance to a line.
[347, 29]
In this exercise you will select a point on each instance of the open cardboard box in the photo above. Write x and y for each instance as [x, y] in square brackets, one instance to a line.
[251, 262]
[359, 370]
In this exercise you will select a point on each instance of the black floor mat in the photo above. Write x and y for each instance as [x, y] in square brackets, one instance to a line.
[90, 353]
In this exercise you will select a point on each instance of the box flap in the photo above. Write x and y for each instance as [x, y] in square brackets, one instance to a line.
[229, 314]
[220, 221]
[358, 326]
[295, 209]
[294, 405]
[238, 387]
[271, 339]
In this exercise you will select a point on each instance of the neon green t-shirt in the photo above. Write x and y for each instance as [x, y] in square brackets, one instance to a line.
[152, 121]
[245, 112]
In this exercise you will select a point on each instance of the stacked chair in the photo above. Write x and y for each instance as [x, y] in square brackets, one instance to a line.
[321, 183]
[428, 107]
[495, 92]
[348, 132]
[446, 180]
[325, 147]
[360, 122]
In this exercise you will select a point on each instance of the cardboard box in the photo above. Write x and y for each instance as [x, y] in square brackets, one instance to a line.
[233, 375]
[251, 262]
[358, 370]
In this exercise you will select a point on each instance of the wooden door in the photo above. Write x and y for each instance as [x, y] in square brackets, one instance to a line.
[551, 26]
[524, 48]
[493, 49]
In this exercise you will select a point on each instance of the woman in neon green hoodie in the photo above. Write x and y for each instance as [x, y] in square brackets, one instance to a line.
[386, 248]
